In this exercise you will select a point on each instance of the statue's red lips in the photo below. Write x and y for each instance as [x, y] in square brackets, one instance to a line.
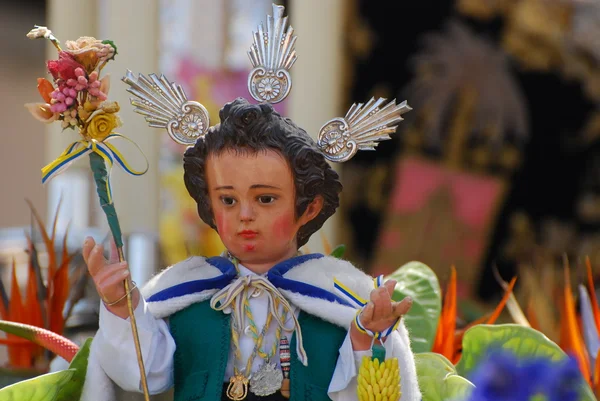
[248, 234]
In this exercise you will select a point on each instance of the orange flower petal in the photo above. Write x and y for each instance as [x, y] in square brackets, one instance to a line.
[498, 310]
[450, 316]
[574, 339]
[45, 88]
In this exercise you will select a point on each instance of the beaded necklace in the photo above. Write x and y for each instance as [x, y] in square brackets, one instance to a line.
[267, 380]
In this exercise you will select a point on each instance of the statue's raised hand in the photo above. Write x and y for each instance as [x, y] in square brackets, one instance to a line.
[379, 314]
[109, 276]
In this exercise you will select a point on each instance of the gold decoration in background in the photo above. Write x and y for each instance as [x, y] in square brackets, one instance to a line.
[583, 46]
[464, 92]
[548, 35]
[484, 9]
[535, 32]
[471, 114]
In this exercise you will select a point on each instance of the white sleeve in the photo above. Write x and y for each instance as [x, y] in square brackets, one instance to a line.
[119, 359]
[343, 383]
[343, 386]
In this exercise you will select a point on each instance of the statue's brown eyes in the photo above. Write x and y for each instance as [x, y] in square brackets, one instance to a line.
[227, 200]
[266, 199]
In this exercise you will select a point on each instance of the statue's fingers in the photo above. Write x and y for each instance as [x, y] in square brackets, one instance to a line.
[88, 245]
[366, 316]
[401, 308]
[390, 285]
[96, 260]
[382, 304]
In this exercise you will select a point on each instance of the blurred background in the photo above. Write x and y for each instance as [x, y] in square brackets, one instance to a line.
[496, 169]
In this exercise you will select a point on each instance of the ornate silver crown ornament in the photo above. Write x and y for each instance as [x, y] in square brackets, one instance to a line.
[362, 129]
[165, 105]
[272, 54]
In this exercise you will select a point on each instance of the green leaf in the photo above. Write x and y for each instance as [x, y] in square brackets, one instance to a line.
[418, 281]
[339, 251]
[438, 379]
[41, 388]
[523, 341]
[72, 390]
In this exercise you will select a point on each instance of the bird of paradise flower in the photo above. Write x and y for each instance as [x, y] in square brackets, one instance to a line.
[448, 339]
[578, 331]
[41, 304]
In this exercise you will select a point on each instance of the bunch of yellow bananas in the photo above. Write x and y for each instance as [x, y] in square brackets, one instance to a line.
[379, 381]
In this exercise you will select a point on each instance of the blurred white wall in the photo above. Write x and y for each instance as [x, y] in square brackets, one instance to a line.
[22, 142]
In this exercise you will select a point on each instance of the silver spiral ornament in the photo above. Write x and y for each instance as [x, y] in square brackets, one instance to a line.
[272, 54]
[165, 105]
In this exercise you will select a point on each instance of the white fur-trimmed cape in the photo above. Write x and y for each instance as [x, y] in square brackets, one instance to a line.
[307, 281]
[301, 278]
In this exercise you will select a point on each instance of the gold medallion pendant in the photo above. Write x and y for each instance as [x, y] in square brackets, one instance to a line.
[238, 388]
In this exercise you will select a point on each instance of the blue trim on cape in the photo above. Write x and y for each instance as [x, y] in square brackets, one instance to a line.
[275, 276]
[189, 287]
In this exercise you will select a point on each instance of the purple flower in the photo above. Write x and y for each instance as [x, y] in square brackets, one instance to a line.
[564, 380]
[501, 376]
[498, 378]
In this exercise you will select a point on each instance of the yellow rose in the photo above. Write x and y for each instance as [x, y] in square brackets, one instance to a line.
[101, 125]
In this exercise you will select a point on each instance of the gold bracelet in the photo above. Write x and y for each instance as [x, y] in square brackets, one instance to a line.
[122, 298]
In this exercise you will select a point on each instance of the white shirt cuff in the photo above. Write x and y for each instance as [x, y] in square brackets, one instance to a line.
[116, 338]
[347, 366]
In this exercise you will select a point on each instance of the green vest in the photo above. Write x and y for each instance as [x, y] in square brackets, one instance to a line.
[202, 337]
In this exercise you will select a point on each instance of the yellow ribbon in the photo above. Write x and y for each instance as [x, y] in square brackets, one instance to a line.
[80, 148]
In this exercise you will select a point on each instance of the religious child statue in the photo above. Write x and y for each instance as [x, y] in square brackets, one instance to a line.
[262, 321]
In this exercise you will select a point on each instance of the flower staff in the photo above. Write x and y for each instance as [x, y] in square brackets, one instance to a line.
[78, 99]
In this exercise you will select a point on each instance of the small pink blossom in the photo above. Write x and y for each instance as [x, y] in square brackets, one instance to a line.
[58, 108]
[57, 95]
[62, 98]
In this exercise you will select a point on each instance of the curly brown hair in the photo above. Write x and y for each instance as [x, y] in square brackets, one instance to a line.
[252, 128]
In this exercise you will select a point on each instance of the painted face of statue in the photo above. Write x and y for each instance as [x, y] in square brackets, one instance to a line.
[252, 195]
